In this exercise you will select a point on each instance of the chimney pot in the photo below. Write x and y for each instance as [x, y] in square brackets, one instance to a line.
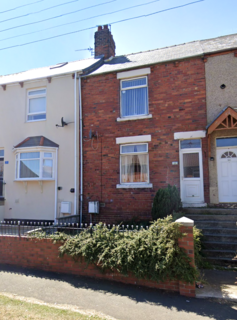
[104, 42]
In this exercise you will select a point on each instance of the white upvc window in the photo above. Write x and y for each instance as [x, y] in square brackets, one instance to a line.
[36, 104]
[134, 97]
[134, 164]
[35, 165]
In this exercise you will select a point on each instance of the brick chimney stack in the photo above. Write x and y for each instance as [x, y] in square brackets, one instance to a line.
[104, 42]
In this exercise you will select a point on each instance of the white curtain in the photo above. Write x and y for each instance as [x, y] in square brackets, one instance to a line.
[134, 100]
[134, 168]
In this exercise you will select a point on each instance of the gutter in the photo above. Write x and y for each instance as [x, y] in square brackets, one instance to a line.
[76, 143]
[81, 149]
[78, 154]
[56, 187]
[80, 157]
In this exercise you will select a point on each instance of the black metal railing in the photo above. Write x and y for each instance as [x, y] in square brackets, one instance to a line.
[22, 228]
[69, 219]
[26, 228]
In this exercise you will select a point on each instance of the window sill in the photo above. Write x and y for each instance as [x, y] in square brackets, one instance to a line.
[148, 116]
[40, 179]
[29, 121]
[134, 185]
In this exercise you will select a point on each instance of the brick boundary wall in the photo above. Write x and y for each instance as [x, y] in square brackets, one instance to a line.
[42, 254]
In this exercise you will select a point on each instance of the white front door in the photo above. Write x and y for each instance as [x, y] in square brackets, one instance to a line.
[191, 174]
[227, 174]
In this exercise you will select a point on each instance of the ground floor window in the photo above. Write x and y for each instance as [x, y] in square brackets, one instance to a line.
[134, 163]
[1, 171]
[35, 165]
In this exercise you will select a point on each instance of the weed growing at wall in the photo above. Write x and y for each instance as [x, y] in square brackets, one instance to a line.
[148, 254]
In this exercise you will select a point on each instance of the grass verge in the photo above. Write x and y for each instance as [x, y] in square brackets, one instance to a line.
[18, 309]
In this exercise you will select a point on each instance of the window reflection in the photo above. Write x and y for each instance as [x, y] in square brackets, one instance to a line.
[191, 165]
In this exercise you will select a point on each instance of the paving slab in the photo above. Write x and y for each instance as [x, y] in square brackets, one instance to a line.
[218, 284]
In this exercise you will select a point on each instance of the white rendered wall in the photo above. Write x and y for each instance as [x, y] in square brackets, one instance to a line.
[33, 201]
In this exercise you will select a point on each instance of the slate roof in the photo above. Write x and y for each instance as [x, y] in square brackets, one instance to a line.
[177, 52]
[61, 68]
[36, 142]
[128, 61]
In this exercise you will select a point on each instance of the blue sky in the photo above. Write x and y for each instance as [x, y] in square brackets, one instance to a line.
[200, 20]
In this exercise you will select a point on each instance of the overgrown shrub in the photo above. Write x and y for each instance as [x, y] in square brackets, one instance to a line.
[148, 254]
[165, 202]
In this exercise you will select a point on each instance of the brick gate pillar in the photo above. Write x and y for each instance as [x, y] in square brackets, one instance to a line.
[187, 242]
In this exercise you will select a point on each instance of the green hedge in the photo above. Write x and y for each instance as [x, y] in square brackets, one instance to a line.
[149, 254]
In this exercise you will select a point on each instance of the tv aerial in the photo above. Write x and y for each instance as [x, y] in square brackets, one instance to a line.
[89, 49]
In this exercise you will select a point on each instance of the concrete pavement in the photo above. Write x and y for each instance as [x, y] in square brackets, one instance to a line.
[120, 301]
[219, 285]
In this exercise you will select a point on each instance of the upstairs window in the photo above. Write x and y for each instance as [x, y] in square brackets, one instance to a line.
[134, 163]
[36, 105]
[134, 97]
[37, 165]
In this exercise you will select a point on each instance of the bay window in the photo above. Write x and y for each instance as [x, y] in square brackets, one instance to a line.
[35, 165]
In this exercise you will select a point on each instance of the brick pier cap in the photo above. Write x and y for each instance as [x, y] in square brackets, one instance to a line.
[186, 222]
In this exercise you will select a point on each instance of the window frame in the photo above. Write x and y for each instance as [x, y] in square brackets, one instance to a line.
[134, 116]
[134, 153]
[2, 157]
[41, 159]
[40, 95]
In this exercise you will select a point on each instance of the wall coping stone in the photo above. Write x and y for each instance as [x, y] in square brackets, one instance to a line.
[185, 222]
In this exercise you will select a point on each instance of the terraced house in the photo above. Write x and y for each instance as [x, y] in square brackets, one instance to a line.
[39, 142]
[102, 135]
[150, 119]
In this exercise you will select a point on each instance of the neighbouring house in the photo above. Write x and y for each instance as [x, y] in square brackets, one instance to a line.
[221, 86]
[39, 142]
[144, 126]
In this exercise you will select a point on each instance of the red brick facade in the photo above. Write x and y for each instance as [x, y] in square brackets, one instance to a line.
[177, 102]
[104, 42]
